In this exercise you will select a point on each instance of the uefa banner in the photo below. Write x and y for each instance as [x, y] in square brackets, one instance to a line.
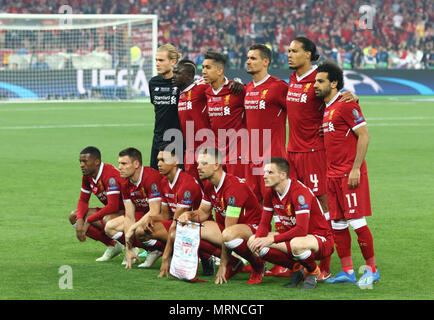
[114, 83]
[73, 83]
[369, 82]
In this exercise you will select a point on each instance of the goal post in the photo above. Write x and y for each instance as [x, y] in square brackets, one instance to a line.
[77, 56]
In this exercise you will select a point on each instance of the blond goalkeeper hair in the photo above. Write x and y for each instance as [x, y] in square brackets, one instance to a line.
[172, 52]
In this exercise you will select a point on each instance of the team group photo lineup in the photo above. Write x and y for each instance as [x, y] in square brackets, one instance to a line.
[269, 175]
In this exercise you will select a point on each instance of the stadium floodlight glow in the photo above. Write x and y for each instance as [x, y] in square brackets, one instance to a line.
[77, 56]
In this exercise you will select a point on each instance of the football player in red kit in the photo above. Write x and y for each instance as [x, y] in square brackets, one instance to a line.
[346, 141]
[226, 116]
[103, 180]
[265, 107]
[141, 194]
[180, 192]
[265, 104]
[192, 111]
[237, 213]
[305, 151]
[303, 235]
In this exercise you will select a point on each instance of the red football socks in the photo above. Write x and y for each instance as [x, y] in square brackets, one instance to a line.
[280, 258]
[210, 248]
[99, 235]
[366, 244]
[242, 249]
[324, 264]
[343, 248]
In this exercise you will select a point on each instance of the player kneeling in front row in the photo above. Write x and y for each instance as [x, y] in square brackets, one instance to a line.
[237, 212]
[140, 191]
[304, 236]
[180, 192]
[103, 180]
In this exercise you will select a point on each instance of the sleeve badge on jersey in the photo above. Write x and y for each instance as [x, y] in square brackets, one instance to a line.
[112, 184]
[154, 190]
[357, 116]
[355, 113]
[302, 201]
[187, 198]
[231, 201]
[187, 195]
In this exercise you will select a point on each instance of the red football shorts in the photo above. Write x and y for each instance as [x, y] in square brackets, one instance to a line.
[310, 168]
[237, 169]
[348, 203]
[244, 171]
[325, 246]
[167, 224]
[253, 227]
[255, 180]
[138, 215]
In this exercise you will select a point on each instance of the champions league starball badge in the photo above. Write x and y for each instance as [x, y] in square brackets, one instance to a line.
[187, 195]
[355, 113]
[231, 201]
[112, 182]
[301, 200]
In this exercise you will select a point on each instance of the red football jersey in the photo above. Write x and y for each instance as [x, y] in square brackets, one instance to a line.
[226, 111]
[304, 111]
[146, 190]
[297, 209]
[232, 191]
[265, 106]
[192, 107]
[184, 191]
[106, 187]
[339, 121]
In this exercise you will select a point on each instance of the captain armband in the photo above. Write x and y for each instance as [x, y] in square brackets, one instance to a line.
[233, 212]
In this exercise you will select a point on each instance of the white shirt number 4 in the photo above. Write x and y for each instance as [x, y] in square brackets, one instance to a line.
[314, 180]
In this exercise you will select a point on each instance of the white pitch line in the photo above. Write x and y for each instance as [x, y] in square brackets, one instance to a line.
[72, 108]
[399, 118]
[400, 124]
[69, 126]
[96, 125]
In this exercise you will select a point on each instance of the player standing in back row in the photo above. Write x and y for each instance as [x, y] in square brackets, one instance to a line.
[306, 152]
[226, 116]
[265, 110]
[346, 141]
[164, 97]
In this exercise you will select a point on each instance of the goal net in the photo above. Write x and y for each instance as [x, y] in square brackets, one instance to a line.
[67, 56]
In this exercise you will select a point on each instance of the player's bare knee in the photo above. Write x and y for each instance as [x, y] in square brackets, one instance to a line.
[110, 228]
[228, 235]
[106, 219]
[297, 246]
[73, 217]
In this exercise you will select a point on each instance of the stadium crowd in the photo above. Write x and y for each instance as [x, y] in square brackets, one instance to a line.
[400, 36]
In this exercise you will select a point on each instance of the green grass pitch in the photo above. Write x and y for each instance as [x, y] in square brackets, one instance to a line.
[40, 185]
